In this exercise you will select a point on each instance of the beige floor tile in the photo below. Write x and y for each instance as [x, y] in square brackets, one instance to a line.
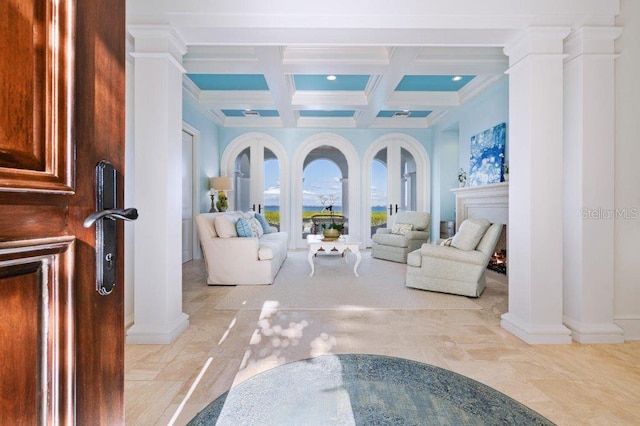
[569, 384]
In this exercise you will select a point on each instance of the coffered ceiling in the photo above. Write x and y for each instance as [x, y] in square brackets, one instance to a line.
[374, 86]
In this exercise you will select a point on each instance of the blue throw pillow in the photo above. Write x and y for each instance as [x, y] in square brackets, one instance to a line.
[243, 228]
[263, 221]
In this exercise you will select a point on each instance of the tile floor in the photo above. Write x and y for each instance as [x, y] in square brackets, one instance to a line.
[569, 384]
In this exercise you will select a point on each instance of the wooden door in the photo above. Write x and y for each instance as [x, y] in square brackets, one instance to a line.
[61, 112]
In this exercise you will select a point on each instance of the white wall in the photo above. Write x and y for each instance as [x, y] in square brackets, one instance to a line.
[485, 111]
[627, 173]
[209, 149]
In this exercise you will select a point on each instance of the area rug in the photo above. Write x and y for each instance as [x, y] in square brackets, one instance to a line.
[334, 286]
[364, 390]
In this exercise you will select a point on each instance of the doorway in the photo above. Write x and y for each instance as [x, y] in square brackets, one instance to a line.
[398, 179]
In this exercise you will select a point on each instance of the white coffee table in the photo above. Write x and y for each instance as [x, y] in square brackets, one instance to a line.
[317, 242]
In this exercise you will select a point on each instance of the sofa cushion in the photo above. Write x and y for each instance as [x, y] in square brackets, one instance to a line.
[243, 228]
[225, 226]
[401, 228]
[265, 253]
[470, 233]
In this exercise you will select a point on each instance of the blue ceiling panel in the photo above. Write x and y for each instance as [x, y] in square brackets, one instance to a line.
[341, 113]
[413, 114]
[229, 81]
[320, 82]
[438, 83]
[240, 112]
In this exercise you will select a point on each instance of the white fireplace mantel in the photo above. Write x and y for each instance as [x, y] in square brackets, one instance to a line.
[488, 201]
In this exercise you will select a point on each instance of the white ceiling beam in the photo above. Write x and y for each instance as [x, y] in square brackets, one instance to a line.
[237, 99]
[271, 60]
[400, 59]
[328, 99]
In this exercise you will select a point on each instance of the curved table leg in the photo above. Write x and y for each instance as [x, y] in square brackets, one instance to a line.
[358, 259]
[312, 252]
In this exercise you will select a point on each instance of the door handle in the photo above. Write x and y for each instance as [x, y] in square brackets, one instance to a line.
[106, 186]
[253, 208]
[396, 208]
[259, 208]
[390, 210]
[123, 214]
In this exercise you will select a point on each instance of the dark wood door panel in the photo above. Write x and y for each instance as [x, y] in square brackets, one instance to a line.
[36, 41]
[36, 322]
[57, 122]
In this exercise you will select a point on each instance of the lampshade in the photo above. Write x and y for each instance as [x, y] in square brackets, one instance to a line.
[221, 183]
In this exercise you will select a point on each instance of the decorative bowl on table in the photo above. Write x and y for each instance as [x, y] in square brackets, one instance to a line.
[331, 233]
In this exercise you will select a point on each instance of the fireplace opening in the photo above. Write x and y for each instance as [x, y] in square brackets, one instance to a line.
[498, 261]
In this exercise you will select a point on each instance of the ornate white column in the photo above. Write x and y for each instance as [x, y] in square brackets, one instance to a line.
[589, 134]
[535, 186]
[158, 316]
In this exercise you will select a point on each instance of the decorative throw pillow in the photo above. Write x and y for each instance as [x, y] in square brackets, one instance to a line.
[256, 228]
[263, 221]
[447, 242]
[225, 226]
[401, 228]
[243, 228]
[266, 228]
[470, 233]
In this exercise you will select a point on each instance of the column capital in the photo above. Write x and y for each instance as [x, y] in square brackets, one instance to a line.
[591, 41]
[156, 40]
[536, 40]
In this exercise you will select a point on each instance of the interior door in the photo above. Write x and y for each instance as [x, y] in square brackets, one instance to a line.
[61, 112]
[187, 197]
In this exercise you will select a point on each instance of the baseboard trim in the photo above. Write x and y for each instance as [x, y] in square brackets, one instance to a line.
[154, 335]
[594, 333]
[630, 325]
[536, 335]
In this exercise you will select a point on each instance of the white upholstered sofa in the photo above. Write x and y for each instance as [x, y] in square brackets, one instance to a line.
[458, 268]
[232, 260]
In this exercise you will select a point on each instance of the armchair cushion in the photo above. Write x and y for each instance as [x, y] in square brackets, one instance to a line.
[393, 240]
[470, 234]
[451, 253]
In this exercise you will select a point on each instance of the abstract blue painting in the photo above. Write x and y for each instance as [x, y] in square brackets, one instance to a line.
[487, 156]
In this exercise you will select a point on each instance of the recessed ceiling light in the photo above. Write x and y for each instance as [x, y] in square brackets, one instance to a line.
[331, 77]
[457, 78]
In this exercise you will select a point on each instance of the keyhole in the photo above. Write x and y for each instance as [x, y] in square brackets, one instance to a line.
[109, 259]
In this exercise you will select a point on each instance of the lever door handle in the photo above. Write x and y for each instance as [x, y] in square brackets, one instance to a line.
[123, 214]
[106, 230]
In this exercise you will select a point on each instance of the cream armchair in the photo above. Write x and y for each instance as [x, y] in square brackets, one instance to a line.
[457, 270]
[394, 244]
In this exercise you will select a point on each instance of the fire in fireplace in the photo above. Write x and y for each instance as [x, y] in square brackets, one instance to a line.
[498, 261]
